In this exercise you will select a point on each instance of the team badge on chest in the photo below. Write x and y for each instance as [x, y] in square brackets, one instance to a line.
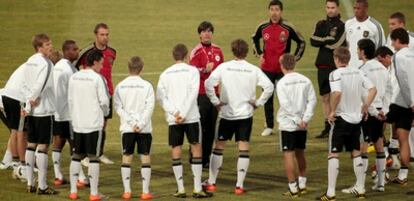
[217, 58]
[266, 36]
[365, 34]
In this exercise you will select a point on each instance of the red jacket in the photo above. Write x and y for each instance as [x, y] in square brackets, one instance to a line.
[106, 71]
[277, 39]
[200, 56]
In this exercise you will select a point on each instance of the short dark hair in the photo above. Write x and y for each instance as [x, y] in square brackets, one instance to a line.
[333, 1]
[135, 64]
[39, 39]
[179, 52]
[342, 54]
[383, 51]
[288, 61]
[400, 34]
[275, 3]
[93, 55]
[399, 16]
[100, 25]
[368, 47]
[364, 2]
[67, 44]
[240, 48]
[204, 26]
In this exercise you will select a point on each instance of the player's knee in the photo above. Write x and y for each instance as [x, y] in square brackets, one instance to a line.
[93, 158]
[145, 159]
[243, 153]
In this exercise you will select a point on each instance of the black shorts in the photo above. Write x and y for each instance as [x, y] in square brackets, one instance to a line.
[40, 129]
[176, 134]
[293, 140]
[344, 134]
[241, 128]
[142, 140]
[372, 129]
[402, 117]
[12, 109]
[109, 116]
[87, 143]
[62, 129]
[323, 80]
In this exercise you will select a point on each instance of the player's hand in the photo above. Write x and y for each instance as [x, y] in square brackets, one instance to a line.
[331, 118]
[381, 116]
[23, 113]
[253, 104]
[209, 67]
[137, 129]
[364, 112]
[303, 125]
[218, 106]
[35, 103]
[262, 59]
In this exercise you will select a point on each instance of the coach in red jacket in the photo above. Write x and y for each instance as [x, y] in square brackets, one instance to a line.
[277, 35]
[206, 56]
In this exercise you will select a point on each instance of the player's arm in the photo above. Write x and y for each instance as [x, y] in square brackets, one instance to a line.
[387, 95]
[192, 88]
[336, 93]
[267, 86]
[119, 108]
[257, 35]
[103, 96]
[340, 39]
[319, 39]
[41, 74]
[70, 97]
[285, 103]
[372, 92]
[213, 81]
[311, 103]
[402, 72]
[163, 98]
[148, 110]
[300, 43]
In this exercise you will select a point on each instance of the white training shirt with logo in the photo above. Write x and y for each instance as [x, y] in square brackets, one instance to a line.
[297, 100]
[14, 87]
[38, 81]
[403, 61]
[88, 100]
[355, 31]
[134, 103]
[238, 80]
[381, 79]
[177, 91]
[62, 72]
[352, 83]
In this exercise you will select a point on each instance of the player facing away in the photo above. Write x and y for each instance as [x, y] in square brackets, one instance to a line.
[297, 100]
[349, 87]
[373, 126]
[277, 35]
[402, 105]
[177, 92]
[88, 104]
[39, 109]
[238, 80]
[134, 103]
[62, 129]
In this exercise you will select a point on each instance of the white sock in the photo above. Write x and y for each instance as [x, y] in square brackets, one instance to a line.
[302, 182]
[178, 173]
[359, 173]
[146, 177]
[93, 172]
[126, 177]
[386, 152]
[333, 170]
[74, 169]
[293, 187]
[394, 143]
[411, 142]
[197, 169]
[30, 162]
[56, 164]
[364, 157]
[380, 163]
[7, 158]
[242, 167]
[402, 174]
[216, 161]
[41, 162]
[82, 177]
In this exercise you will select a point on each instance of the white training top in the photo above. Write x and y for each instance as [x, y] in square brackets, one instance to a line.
[403, 61]
[355, 31]
[134, 103]
[381, 79]
[38, 81]
[297, 100]
[62, 72]
[88, 100]
[14, 87]
[352, 83]
[177, 91]
[238, 80]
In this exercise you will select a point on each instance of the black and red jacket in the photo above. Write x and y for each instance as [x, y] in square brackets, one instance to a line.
[277, 39]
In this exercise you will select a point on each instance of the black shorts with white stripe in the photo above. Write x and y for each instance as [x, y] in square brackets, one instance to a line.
[87, 143]
[176, 134]
[402, 117]
[62, 129]
[142, 140]
[241, 128]
[291, 140]
[12, 110]
[344, 134]
[40, 129]
[372, 129]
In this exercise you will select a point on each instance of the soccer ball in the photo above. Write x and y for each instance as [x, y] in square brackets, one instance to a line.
[20, 173]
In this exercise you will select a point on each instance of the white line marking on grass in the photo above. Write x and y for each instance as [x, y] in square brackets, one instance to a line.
[348, 8]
